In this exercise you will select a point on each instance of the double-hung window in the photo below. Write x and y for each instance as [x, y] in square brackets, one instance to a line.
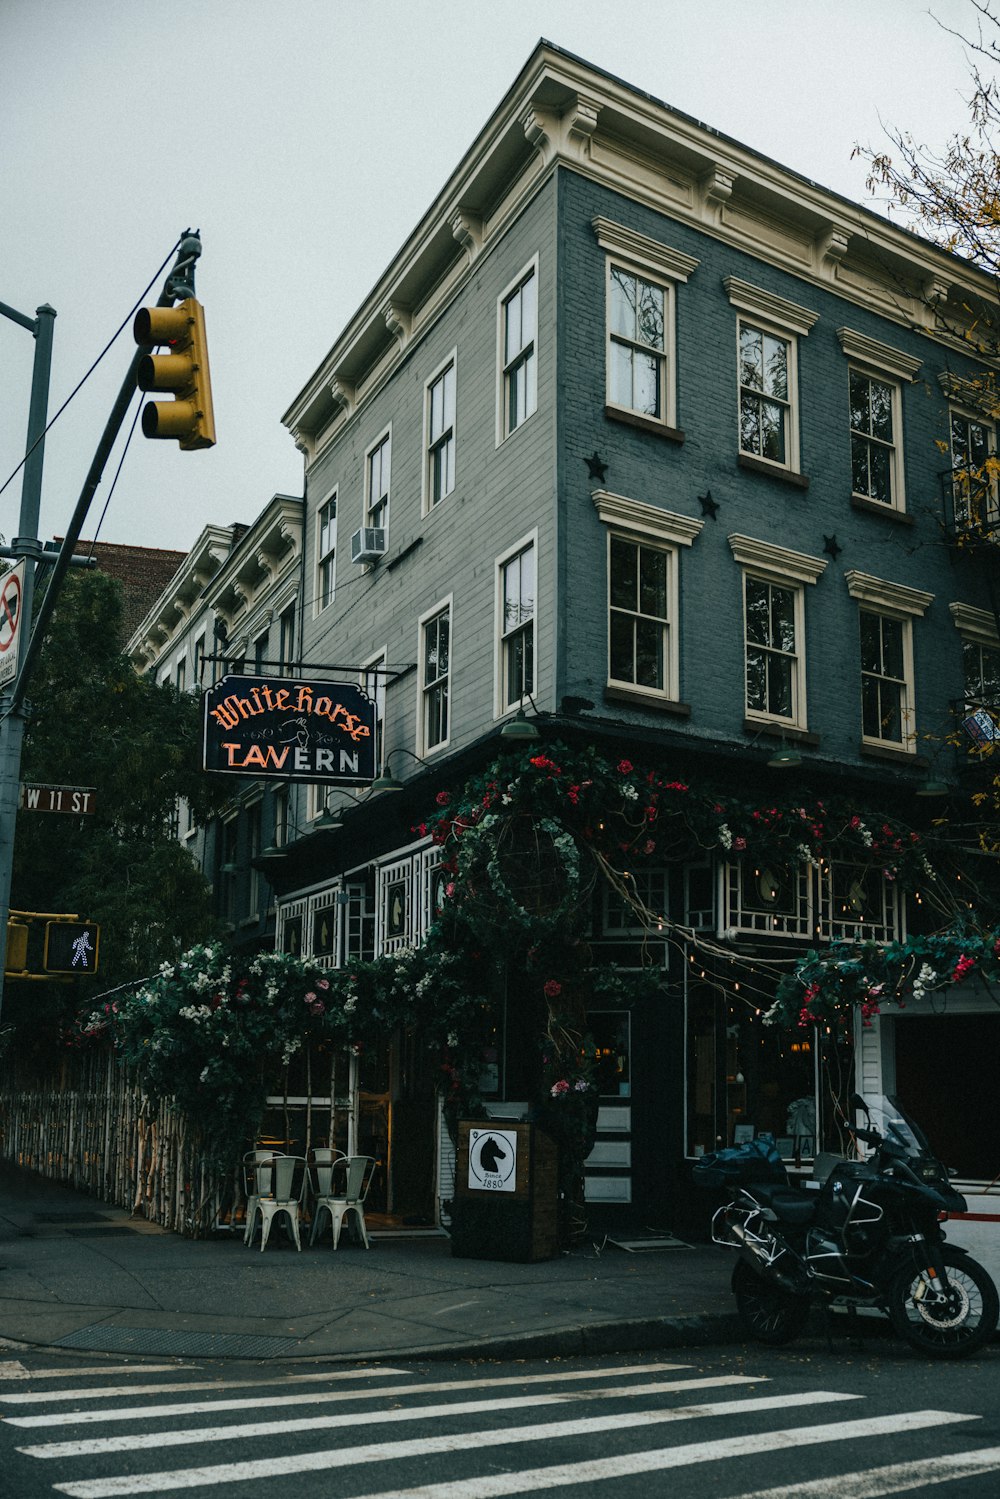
[440, 429]
[373, 682]
[875, 378]
[974, 482]
[516, 594]
[435, 677]
[519, 333]
[774, 629]
[979, 707]
[326, 553]
[767, 357]
[377, 477]
[886, 612]
[641, 277]
[643, 544]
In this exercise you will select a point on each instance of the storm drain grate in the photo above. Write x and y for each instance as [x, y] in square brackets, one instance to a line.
[100, 1339]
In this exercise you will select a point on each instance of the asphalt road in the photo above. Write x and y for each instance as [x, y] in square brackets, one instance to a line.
[847, 1423]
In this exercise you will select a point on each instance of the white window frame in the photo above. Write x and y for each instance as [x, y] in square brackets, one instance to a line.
[897, 602]
[664, 531]
[961, 511]
[873, 360]
[399, 878]
[377, 506]
[662, 266]
[504, 636]
[432, 443]
[778, 566]
[326, 557]
[442, 607]
[523, 364]
[651, 886]
[775, 317]
[838, 923]
[740, 912]
[375, 685]
[893, 449]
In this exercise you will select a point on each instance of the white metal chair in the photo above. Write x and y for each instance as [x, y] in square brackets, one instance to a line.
[357, 1171]
[281, 1185]
[251, 1161]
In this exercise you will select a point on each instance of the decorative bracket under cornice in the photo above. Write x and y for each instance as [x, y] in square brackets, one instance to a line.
[467, 228]
[833, 245]
[343, 395]
[398, 320]
[936, 290]
[717, 188]
[581, 119]
[538, 130]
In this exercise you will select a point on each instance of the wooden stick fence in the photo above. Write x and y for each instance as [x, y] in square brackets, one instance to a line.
[89, 1127]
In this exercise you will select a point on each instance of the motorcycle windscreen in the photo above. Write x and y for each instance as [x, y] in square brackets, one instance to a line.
[896, 1125]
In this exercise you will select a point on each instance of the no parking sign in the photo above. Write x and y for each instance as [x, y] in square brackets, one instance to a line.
[11, 596]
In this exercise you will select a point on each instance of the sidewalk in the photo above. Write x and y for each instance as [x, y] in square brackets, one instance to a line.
[80, 1274]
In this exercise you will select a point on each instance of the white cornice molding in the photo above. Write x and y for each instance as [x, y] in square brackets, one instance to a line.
[833, 244]
[767, 304]
[343, 395]
[975, 624]
[779, 563]
[982, 398]
[635, 515]
[716, 188]
[581, 118]
[539, 130]
[467, 228]
[882, 356]
[896, 597]
[398, 320]
[649, 253]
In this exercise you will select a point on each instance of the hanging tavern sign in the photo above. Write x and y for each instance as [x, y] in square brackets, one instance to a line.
[293, 731]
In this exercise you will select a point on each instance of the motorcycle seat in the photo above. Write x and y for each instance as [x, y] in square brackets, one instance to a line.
[786, 1204]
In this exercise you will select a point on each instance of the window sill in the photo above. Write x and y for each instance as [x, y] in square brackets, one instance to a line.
[647, 700]
[887, 752]
[874, 507]
[643, 423]
[772, 471]
[772, 729]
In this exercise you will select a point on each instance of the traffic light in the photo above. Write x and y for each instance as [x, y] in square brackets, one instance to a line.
[71, 946]
[17, 947]
[184, 371]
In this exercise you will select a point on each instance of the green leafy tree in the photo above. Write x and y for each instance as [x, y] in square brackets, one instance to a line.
[93, 722]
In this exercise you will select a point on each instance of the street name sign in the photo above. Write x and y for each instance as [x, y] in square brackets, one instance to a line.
[78, 800]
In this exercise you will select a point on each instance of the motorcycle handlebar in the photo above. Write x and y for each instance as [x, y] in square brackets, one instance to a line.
[870, 1136]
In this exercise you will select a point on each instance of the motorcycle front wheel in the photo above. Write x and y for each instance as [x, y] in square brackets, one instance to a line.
[769, 1313]
[952, 1328]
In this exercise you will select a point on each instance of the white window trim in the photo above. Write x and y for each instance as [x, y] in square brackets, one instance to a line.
[446, 603]
[366, 513]
[977, 626]
[502, 434]
[318, 606]
[499, 710]
[897, 485]
[636, 521]
[426, 506]
[878, 357]
[378, 658]
[766, 563]
[895, 601]
[782, 319]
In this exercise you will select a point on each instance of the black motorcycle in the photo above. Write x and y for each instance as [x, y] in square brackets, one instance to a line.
[867, 1234]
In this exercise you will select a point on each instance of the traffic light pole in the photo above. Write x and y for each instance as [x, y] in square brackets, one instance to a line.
[179, 284]
[26, 545]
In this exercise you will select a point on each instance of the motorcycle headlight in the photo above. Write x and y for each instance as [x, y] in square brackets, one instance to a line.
[931, 1173]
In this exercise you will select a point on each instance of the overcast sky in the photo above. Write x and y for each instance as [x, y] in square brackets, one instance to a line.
[306, 138]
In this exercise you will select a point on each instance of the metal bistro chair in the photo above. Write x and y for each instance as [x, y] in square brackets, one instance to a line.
[251, 1161]
[281, 1186]
[357, 1171]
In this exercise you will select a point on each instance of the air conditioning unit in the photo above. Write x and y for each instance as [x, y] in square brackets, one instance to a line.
[368, 544]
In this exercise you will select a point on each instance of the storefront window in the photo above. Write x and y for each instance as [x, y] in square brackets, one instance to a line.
[610, 1032]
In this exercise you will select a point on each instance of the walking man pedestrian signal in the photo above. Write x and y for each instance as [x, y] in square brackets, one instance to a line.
[71, 946]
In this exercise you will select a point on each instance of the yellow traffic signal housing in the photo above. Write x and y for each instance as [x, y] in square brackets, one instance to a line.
[189, 416]
[17, 947]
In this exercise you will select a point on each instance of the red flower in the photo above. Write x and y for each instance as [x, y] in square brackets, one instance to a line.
[625, 766]
[442, 798]
[552, 989]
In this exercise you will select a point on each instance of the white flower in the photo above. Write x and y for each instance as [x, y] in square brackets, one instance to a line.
[350, 1004]
[725, 836]
[204, 1075]
[629, 792]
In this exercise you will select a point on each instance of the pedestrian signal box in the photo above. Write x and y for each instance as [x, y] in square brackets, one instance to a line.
[71, 947]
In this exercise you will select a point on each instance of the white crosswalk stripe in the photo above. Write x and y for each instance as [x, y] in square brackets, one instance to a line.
[585, 1419]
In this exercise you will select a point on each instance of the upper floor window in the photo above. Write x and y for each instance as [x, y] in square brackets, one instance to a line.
[199, 663]
[974, 484]
[640, 293]
[377, 478]
[637, 357]
[440, 425]
[286, 637]
[887, 677]
[260, 646]
[774, 627]
[517, 588]
[435, 677]
[768, 372]
[373, 680]
[643, 544]
[326, 553]
[181, 675]
[519, 331]
[875, 378]
[874, 451]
